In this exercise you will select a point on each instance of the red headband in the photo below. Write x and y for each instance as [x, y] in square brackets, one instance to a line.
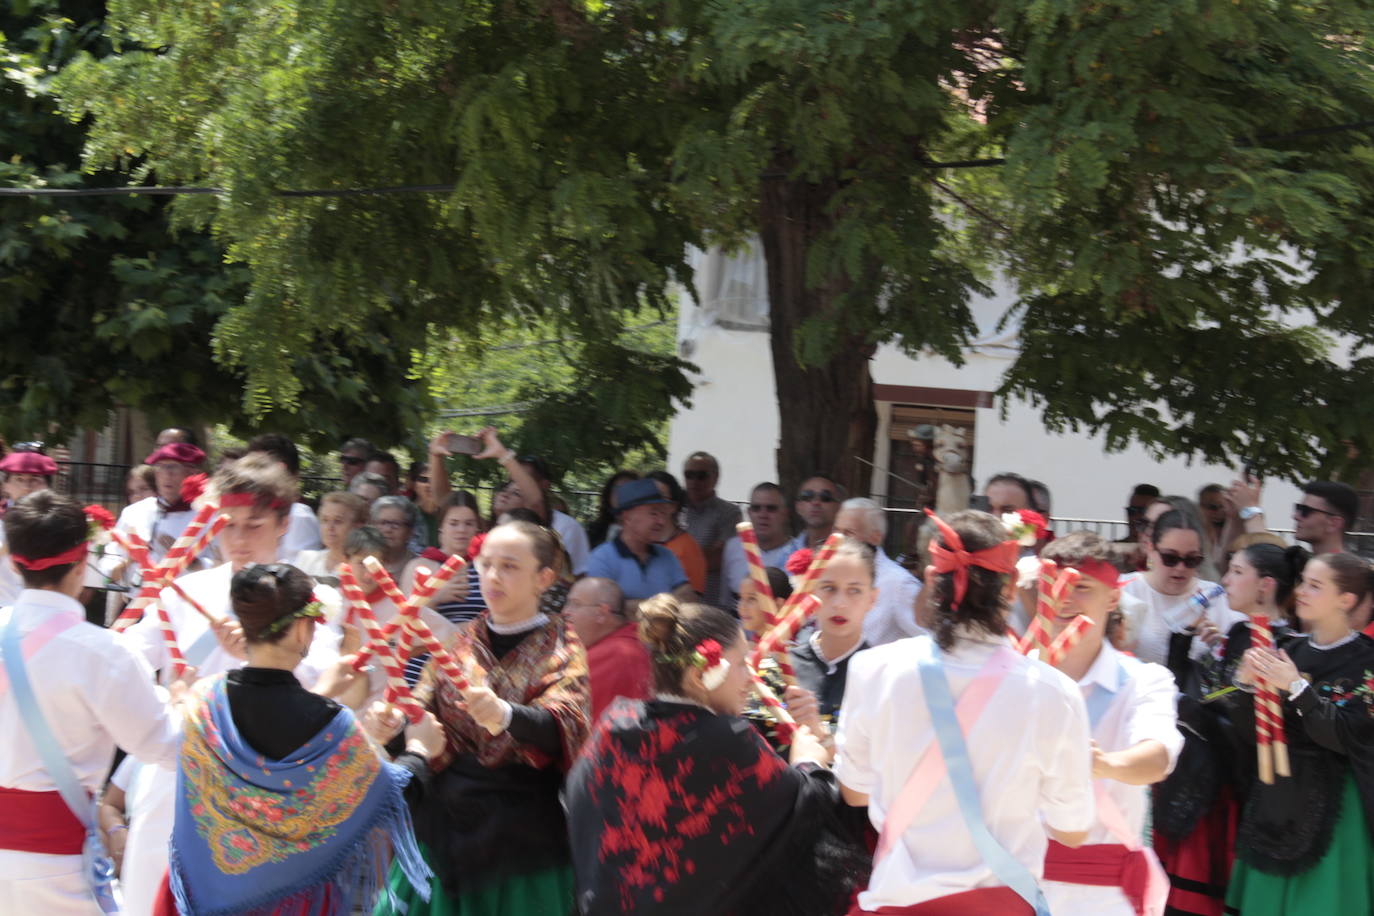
[1100, 570]
[246, 499]
[951, 557]
[75, 555]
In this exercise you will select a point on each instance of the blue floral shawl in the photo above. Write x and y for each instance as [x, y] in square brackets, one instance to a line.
[304, 835]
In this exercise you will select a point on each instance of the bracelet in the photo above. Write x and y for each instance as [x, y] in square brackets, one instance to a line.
[112, 829]
[508, 456]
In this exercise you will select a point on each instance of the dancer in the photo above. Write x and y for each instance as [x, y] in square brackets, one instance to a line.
[486, 809]
[283, 807]
[1135, 743]
[1023, 756]
[1304, 843]
[1196, 809]
[822, 659]
[86, 692]
[676, 807]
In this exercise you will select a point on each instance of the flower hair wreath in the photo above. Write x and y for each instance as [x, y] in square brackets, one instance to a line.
[1025, 526]
[706, 656]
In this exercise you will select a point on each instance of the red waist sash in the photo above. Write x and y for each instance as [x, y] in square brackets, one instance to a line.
[1101, 865]
[39, 822]
[982, 901]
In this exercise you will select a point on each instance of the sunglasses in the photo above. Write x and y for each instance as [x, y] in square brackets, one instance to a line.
[764, 507]
[1135, 510]
[807, 496]
[1305, 510]
[422, 480]
[351, 460]
[1171, 559]
[697, 475]
[1216, 507]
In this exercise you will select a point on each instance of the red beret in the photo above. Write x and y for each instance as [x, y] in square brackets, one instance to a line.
[181, 452]
[28, 463]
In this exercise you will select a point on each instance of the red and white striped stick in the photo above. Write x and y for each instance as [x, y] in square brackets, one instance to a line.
[412, 627]
[139, 553]
[397, 692]
[182, 554]
[1271, 740]
[1065, 641]
[1051, 588]
[775, 709]
[813, 573]
[758, 573]
[775, 641]
[169, 641]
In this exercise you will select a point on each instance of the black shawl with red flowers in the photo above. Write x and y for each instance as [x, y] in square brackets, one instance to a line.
[674, 809]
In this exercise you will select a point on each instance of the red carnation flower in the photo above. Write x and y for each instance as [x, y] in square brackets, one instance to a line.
[709, 650]
[192, 487]
[475, 546]
[100, 516]
[1034, 519]
[800, 561]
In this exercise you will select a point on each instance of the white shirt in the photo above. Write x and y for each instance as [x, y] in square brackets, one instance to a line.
[146, 519]
[302, 534]
[93, 692]
[150, 820]
[1031, 760]
[574, 538]
[11, 583]
[1164, 615]
[1144, 708]
[314, 563]
[734, 565]
[893, 615]
[210, 587]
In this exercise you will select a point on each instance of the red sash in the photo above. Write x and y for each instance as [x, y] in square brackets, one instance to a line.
[982, 901]
[39, 822]
[1101, 865]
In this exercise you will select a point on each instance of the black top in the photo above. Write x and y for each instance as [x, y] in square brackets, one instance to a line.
[1286, 827]
[815, 675]
[273, 712]
[677, 811]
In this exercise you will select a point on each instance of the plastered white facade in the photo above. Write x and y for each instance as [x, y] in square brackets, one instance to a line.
[734, 412]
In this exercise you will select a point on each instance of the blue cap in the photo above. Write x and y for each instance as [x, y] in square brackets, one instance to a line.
[633, 493]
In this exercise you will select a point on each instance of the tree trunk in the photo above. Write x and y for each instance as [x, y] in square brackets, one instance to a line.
[826, 411]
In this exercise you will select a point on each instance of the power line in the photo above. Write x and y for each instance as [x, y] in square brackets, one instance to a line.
[183, 190]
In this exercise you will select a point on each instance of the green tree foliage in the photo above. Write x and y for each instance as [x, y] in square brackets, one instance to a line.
[103, 304]
[1181, 225]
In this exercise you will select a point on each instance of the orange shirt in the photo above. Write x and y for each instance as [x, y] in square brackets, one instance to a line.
[693, 561]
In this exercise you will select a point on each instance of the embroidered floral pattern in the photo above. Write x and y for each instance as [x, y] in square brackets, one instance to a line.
[1346, 691]
[247, 825]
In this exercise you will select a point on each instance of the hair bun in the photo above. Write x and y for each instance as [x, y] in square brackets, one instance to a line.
[658, 621]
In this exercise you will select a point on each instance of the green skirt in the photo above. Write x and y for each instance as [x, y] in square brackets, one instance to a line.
[1341, 884]
[544, 893]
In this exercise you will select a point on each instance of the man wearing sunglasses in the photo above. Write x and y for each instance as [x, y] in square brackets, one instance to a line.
[1325, 513]
[818, 502]
[710, 520]
[768, 514]
[352, 458]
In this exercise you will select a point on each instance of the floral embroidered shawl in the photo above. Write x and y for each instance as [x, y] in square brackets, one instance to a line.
[547, 670]
[255, 835]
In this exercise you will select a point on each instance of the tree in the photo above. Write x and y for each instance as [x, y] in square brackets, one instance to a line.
[1160, 179]
[102, 304]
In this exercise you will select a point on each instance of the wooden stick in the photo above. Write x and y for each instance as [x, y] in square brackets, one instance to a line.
[758, 573]
[1065, 641]
[139, 553]
[775, 709]
[182, 554]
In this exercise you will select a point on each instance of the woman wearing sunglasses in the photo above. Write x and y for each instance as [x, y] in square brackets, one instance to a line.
[1173, 553]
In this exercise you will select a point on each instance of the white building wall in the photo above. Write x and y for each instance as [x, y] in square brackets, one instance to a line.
[734, 413]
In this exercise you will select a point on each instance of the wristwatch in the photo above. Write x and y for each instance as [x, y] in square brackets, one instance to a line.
[1250, 512]
[1296, 687]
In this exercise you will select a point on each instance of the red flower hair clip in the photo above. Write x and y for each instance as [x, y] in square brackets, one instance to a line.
[193, 487]
[714, 667]
[800, 561]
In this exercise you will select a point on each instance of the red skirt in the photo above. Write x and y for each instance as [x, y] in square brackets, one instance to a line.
[1199, 865]
[983, 901]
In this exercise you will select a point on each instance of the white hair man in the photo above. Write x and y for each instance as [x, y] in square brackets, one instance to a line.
[893, 617]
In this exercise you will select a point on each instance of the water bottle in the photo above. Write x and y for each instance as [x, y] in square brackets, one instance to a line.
[1202, 600]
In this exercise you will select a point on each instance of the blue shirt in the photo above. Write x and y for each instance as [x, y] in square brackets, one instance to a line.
[661, 572]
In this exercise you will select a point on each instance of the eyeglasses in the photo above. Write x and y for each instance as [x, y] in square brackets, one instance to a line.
[351, 460]
[1135, 510]
[764, 507]
[422, 480]
[391, 523]
[1171, 559]
[1305, 510]
[1215, 507]
[697, 475]
[809, 496]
